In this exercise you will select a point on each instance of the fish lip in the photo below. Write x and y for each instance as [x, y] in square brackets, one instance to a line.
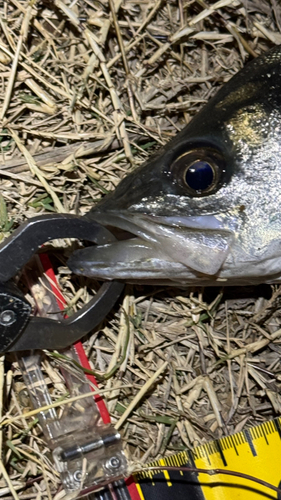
[201, 243]
[134, 222]
[161, 246]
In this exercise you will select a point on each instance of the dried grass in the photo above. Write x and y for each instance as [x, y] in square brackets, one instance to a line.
[88, 90]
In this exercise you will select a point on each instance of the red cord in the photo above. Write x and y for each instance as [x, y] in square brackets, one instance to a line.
[78, 346]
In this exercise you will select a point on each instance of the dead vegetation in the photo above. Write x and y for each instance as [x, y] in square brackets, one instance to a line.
[89, 89]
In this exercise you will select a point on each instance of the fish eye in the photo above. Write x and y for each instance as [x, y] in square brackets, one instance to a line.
[200, 175]
[199, 171]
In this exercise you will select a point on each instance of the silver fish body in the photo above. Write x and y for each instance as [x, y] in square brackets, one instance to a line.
[206, 209]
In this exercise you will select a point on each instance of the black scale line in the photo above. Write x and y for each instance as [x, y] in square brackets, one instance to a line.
[238, 437]
[210, 448]
[206, 454]
[223, 442]
[183, 456]
[228, 443]
[254, 433]
[277, 426]
[262, 431]
[249, 440]
[266, 428]
[236, 440]
[234, 445]
[265, 434]
[219, 449]
[270, 426]
[191, 459]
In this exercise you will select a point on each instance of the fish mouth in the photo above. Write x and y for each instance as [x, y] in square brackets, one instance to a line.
[173, 248]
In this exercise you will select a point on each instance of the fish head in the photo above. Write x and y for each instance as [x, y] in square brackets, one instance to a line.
[206, 208]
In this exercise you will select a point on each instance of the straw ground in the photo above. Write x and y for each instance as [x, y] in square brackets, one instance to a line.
[89, 89]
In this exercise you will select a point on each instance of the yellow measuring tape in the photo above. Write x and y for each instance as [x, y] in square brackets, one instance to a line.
[255, 451]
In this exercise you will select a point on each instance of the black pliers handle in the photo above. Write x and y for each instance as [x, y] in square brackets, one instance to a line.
[18, 329]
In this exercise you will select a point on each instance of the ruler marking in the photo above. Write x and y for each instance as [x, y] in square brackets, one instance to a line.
[191, 459]
[212, 449]
[234, 437]
[162, 461]
[207, 455]
[254, 432]
[249, 440]
[277, 426]
[266, 428]
[258, 432]
[238, 437]
[221, 440]
[271, 426]
[184, 457]
[264, 434]
[214, 446]
[234, 445]
[211, 453]
[223, 443]
[209, 449]
[205, 451]
[261, 430]
[228, 442]
[241, 437]
[220, 450]
[179, 460]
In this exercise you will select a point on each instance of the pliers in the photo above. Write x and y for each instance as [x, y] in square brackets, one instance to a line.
[19, 330]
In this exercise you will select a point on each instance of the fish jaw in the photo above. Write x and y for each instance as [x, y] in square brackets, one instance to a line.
[165, 248]
[205, 250]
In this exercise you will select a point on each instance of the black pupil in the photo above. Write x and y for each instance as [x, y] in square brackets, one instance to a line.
[199, 176]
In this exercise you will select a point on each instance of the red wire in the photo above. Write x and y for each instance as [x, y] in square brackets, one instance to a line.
[98, 399]
[78, 346]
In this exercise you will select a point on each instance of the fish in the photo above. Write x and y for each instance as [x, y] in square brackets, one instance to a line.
[206, 208]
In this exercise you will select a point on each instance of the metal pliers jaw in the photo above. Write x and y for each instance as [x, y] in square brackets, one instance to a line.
[18, 329]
